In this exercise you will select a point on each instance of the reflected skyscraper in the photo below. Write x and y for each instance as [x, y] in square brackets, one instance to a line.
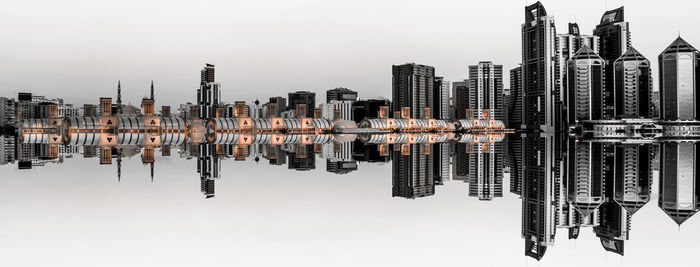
[679, 190]
[586, 175]
[412, 171]
[632, 176]
[538, 227]
[486, 171]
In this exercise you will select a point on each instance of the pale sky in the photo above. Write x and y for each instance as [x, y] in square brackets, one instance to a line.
[79, 49]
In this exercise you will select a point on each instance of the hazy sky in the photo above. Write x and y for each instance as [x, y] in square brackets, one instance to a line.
[79, 49]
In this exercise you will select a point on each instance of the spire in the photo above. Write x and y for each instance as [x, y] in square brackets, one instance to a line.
[119, 94]
[152, 90]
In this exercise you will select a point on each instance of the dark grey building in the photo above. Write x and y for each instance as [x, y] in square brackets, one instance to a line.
[586, 85]
[679, 71]
[515, 108]
[208, 93]
[460, 94]
[633, 85]
[303, 97]
[368, 108]
[538, 36]
[412, 86]
[615, 39]
[341, 94]
[679, 189]
[412, 172]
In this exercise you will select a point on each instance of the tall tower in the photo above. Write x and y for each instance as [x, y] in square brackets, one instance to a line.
[538, 227]
[152, 97]
[615, 39]
[441, 99]
[566, 46]
[586, 84]
[208, 93]
[412, 172]
[515, 110]
[586, 176]
[679, 72]
[538, 36]
[486, 88]
[412, 86]
[679, 189]
[486, 172]
[460, 92]
[119, 97]
[633, 176]
[632, 76]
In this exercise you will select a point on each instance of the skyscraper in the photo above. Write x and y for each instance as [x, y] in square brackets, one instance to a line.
[679, 189]
[538, 36]
[460, 92]
[515, 110]
[633, 176]
[632, 76]
[208, 93]
[341, 94]
[412, 86]
[412, 172]
[538, 227]
[305, 98]
[566, 46]
[441, 99]
[486, 172]
[679, 72]
[586, 176]
[486, 89]
[615, 39]
[586, 86]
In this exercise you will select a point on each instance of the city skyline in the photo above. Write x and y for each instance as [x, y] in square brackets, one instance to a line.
[647, 40]
[588, 126]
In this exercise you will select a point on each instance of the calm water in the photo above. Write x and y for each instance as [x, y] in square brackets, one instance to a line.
[74, 211]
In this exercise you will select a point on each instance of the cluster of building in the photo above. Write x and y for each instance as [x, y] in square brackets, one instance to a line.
[600, 89]
[574, 81]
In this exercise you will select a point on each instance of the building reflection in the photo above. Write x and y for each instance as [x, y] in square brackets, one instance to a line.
[563, 182]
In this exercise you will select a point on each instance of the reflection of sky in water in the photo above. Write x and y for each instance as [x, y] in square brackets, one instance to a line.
[78, 214]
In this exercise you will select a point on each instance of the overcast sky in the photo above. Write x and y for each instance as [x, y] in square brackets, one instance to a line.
[79, 49]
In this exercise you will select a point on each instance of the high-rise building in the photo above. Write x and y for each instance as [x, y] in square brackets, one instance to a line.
[679, 71]
[586, 84]
[368, 108]
[8, 114]
[539, 53]
[633, 176]
[441, 99]
[460, 94]
[679, 188]
[303, 98]
[276, 106]
[566, 46]
[341, 94]
[515, 110]
[615, 39]
[412, 172]
[486, 89]
[586, 176]
[486, 171]
[412, 86]
[208, 93]
[538, 225]
[632, 76]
